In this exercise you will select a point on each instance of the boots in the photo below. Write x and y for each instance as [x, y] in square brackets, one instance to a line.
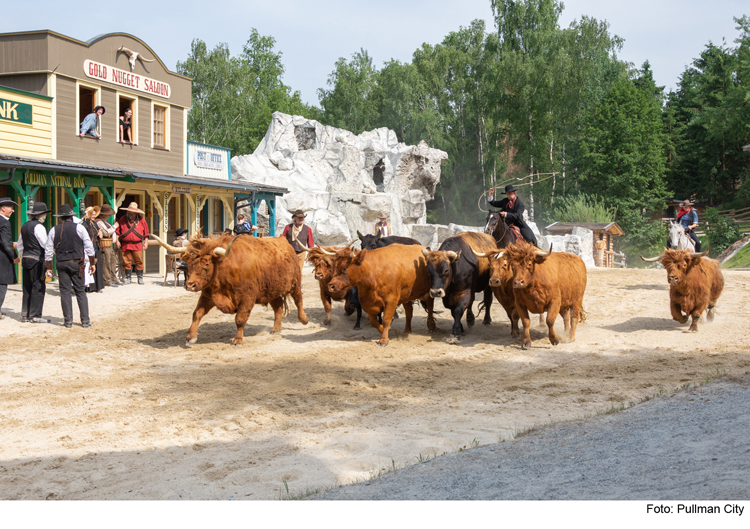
[128, 277]
[139, 273]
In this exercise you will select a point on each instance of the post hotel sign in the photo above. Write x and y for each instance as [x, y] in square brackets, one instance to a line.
[102, 72]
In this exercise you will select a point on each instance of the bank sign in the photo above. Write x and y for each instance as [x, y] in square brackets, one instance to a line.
[102, 72]
[208, 159]
[15, 112]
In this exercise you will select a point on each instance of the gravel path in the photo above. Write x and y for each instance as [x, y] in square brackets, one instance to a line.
[692, 445]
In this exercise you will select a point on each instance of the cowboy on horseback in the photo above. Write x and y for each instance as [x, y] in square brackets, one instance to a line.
[688, 219]
[511, 209]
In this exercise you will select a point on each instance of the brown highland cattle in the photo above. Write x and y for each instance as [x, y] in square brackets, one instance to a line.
[321, 259]
[501, 283]
[695, 284]
[547, 282]
[234, 273]
[386, 278]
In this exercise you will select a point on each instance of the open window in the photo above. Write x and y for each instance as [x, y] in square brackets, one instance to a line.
[125, 103]
[87, 97]
[377, 175]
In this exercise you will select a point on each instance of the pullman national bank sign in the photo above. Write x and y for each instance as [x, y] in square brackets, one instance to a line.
[102, 72]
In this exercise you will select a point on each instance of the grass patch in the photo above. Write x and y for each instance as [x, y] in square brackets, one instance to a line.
[740, 260]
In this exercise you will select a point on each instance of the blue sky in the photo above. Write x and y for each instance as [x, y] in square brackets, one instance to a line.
[313, 35]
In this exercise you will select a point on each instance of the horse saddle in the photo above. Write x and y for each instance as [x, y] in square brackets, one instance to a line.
[516, 231]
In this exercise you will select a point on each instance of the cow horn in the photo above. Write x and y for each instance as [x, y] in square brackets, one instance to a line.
[324, 251]
[542, 253]
[225, 252]
[451, 255]
[305, 247]
[426, 252]
[653, 259]
[348, 245]
[479, 254]
[220, 251]
[170, 249]
[499, 254]
[702, 254]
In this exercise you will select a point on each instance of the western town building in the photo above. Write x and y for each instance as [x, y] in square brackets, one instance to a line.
[50, 82]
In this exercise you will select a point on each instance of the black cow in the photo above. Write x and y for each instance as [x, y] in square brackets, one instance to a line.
[456, 274]
[370, 242]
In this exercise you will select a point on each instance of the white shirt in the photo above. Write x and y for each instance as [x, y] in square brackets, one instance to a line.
[88, 247]
[40, 232]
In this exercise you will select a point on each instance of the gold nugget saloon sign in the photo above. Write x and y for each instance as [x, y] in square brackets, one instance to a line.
[102, 72]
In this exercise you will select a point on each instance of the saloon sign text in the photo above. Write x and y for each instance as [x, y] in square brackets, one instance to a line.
[102, 72]
[43, 180]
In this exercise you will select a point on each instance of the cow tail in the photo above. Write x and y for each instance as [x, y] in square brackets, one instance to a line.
[582, 316]
[285, 299]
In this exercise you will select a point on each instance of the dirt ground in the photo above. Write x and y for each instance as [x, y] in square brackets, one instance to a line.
[124, 411]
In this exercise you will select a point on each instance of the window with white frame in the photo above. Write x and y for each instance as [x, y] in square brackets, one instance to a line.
[127, 102]
[88, 97]
[160, 126]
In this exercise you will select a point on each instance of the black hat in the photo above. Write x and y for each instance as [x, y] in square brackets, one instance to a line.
[65, 211]
[39, 208]
[5, 201]
[104, 110]
[180, 231]
[509, 188]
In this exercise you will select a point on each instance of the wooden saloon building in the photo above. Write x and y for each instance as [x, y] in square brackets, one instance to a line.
[49, 83]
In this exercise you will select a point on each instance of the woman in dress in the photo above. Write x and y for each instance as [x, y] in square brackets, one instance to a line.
[126, 128]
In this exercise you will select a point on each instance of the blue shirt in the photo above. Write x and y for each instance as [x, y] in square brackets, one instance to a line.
[688, 219]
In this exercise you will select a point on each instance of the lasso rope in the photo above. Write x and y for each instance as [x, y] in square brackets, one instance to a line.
[519, 185]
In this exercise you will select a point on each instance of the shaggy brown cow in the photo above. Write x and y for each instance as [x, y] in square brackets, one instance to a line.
[321, 259]
[234, 273]
[385, 277]
[501, 283]
[547, 282]
[695, 284]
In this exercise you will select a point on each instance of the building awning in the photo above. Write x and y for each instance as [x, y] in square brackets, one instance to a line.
[242, 186]
[9, 162]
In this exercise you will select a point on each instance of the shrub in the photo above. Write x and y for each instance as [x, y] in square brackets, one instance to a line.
[722, 232]
[583, 208]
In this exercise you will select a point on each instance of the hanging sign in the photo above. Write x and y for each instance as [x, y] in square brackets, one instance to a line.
[177, 190]
[166, 210]
[102, 72]
[208, 159]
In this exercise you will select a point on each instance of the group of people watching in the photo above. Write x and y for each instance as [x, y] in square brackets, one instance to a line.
[83, 248]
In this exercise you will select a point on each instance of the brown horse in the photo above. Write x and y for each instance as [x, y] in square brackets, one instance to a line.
[498, 229]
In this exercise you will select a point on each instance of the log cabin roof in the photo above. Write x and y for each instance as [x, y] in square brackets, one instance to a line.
[567, 227]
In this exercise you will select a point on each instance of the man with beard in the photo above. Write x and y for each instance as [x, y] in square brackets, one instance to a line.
[132, 239]
[30, 247]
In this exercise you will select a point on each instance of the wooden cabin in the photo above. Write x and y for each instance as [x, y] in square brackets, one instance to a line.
[605, 235]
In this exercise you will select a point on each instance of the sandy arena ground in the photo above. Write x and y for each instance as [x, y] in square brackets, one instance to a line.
[124, 411]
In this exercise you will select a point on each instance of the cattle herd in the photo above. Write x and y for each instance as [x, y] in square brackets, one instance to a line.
[234, 273]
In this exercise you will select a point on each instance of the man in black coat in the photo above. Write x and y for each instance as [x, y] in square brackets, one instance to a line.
[512, 208]
[8, 254]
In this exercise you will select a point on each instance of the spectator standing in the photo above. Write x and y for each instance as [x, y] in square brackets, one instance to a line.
[30, 248]
[106, 235]
[94, 277]
[383, 227]
[71, 243]
[299, 236]
[8, 255]
[132, 239]
[91, 124]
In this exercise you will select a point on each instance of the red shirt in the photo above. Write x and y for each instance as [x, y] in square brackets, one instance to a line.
[131, 241]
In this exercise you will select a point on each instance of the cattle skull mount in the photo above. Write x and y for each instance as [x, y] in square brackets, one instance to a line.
[133, 56]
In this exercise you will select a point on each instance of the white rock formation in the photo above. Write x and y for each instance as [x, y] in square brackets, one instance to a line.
[341, 181]
[580, 243]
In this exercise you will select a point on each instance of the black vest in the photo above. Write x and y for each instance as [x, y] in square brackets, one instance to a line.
[68, 245]
[31, 248]
[301, 238]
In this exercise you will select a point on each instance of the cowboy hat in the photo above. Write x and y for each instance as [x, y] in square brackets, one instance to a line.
[509, 188]
[383, 216]
[64, 211]
[180, 231]
[5, 201]
[133, 208]
[106, 211]
[39, 208]
[104, 110]
[299, 213]
[92, 212]
[686, 204]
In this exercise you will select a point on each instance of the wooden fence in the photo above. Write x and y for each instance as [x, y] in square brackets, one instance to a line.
[740, 216]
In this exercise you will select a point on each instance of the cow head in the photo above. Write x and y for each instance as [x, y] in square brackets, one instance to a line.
[500, 270]
[524, 258]
[202, 256]
[440, 268]
[323, 262]
[342, 260]
[678, 263]
[369, 242]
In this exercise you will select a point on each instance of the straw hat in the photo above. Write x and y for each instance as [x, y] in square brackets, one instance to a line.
[92, 212]
[133, 208]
